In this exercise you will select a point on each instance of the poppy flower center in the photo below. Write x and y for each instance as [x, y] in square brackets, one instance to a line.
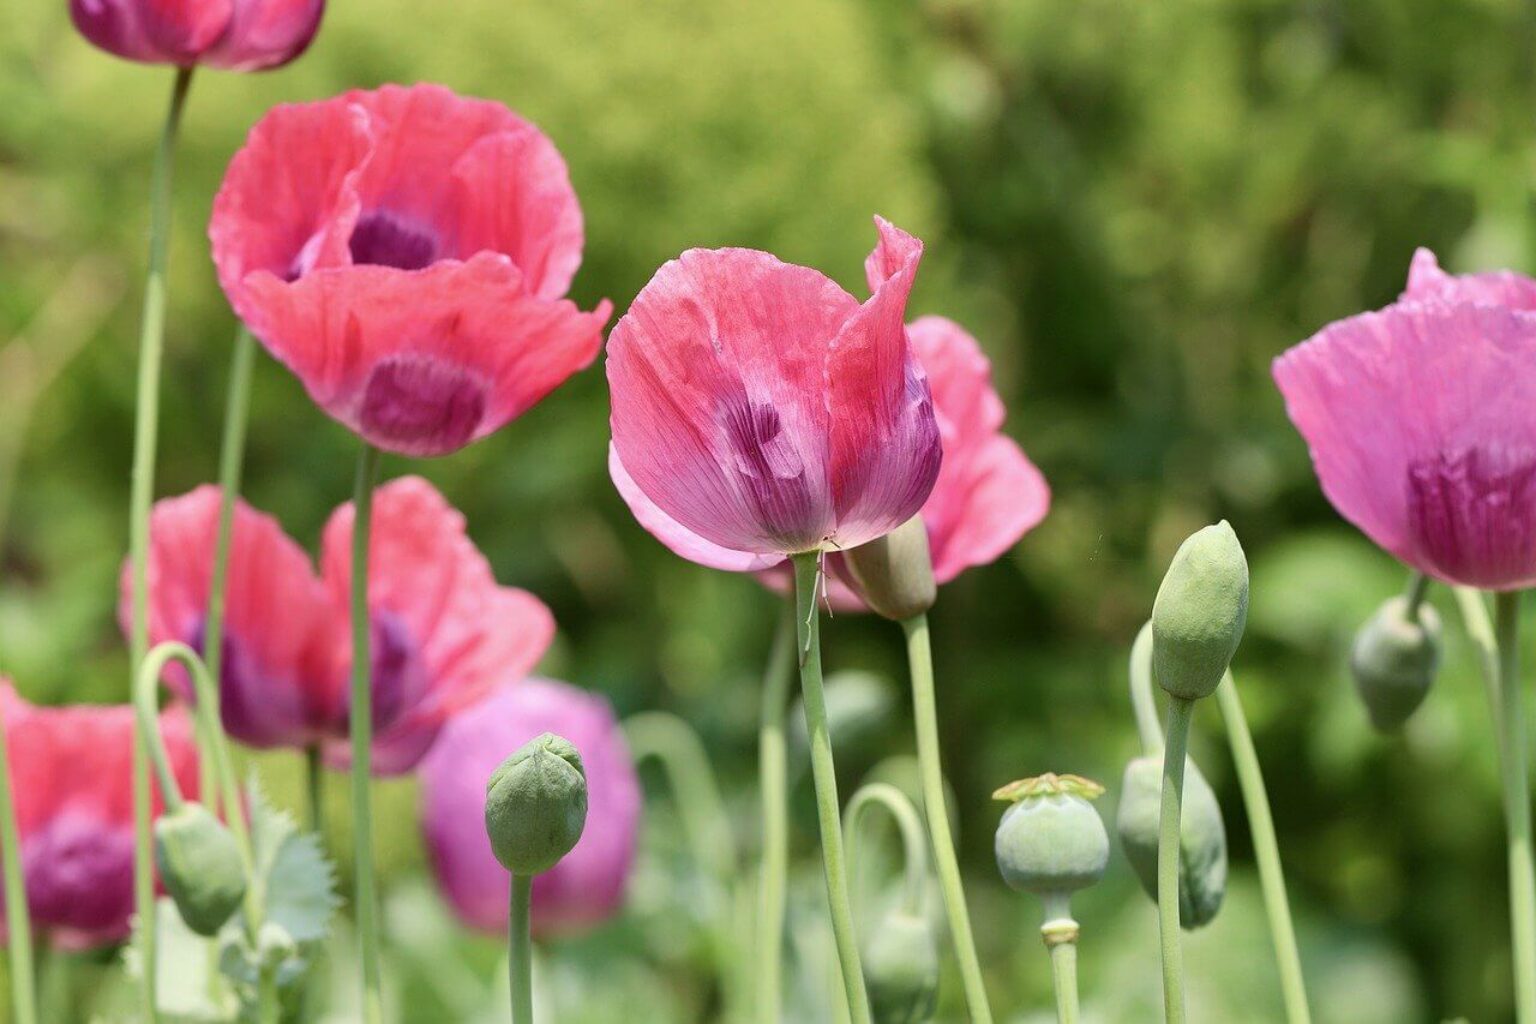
[79, 873]
[772, 470]
[385, 240]
[1473, 512]
[418, 405]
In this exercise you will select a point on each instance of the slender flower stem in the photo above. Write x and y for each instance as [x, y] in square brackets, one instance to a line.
[146, 427]
[1266, 850]
[1418, 590]
[1180, 712]
[1517, 806]
[914, 843]
[231, 461]
[773, 780]
[925, 714]
[361, 720]
[520, 946]
[314, 791]
[18, 918]
[1479, 627]
[1060, 934]
[824, 773]
[1143, 701]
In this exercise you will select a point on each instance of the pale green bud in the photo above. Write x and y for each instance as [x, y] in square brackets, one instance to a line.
[1200, 612]
[1202, 837]
[536, 805]
[1394, 661]
[895, 572]
[200, 864]
[1051, 841]
[901, 970]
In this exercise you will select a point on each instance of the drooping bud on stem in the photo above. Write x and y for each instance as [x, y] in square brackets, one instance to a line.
[1394, 661]
[200, 864]
[1051, 841]
[536, 805]
[895, 573]
[1200, 612]
[901, 970]
[1202, 843]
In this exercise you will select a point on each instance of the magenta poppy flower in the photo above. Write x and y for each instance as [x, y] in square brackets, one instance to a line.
[1418, 420]
[444, 631]
[236, 35]
[405, 252]
[72, 773]
[765, 411]
[278, 685]
[585, 888]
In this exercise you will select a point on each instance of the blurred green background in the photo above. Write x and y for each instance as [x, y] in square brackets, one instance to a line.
[1135, 206]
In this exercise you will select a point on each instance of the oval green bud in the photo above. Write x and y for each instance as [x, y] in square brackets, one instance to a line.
[200, 864]
[1394, 661]
[1202, 837]
[895, 572]
[901, 970]
[1051, 841]
[1200, 612]
[536, 805]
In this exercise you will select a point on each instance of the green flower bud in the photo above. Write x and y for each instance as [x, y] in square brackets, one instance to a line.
[1200, 613]
[895, 572]
[1394, 661]
[1051, 841]
[1202, 837]
[536, 805]
[901, 970]
[200, 864]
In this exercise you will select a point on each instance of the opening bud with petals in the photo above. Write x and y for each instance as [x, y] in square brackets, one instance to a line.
[536, 805]
[1200, 612]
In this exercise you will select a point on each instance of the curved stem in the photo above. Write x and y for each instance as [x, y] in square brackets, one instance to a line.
[1143, 700]
[824, 773]
[930, 764]
[1060, 934]
[677, 748]
[231, 460]
[1180, 712]
[520, 948]
[773, 779]
[1266, 850]
[18, 917]
[913, 842]
[146, 426]
[361, 721]
[1517, 806]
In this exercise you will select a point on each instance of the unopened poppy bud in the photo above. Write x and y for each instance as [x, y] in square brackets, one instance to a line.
[901, 970]
[1394, 661]
[536, 805]
[200, 864]
[894, 573]
[1200, 612]
[1202, 837]
[1051, 841]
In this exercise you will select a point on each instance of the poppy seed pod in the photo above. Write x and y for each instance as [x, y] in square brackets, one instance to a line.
[201, 867]
[1051, 841]
[894, 573]
[1394, 660]
[1202, 837]
[901, 970]
[536, 805]
[1200, 612]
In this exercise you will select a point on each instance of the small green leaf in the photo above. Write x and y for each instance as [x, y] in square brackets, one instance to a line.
[298, 881]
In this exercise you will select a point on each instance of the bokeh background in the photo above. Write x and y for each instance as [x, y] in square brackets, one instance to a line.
[1135, 206]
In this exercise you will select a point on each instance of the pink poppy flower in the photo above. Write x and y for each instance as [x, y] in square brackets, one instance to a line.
[405, 252]
[72, 771]
[763, 411]
[1418, 420]
[585, 888]
[278, 686]
[444, 632]
[236, 35]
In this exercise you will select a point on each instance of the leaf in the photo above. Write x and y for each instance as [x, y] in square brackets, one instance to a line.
[188, 986]
[298, 881]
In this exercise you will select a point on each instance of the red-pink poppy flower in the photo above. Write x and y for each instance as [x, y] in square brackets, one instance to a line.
[765, 411]
[585, 888]
[236, 35]
[278, 686]
[72, 774]
[405, 252]
[444, 631]
[1419, 421]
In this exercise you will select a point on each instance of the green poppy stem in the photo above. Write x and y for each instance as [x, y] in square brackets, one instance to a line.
[1517, 805]
[520, 948]
[824, 774]
[1180, 713]
[914, 844]
[1143, 700]
[18, 917]
[361, 720]
[314, 791]
[930, 764]
[1060, 934]
[773, 780]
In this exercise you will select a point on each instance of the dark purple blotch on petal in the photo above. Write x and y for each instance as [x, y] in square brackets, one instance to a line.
[79, 874]
[772, 471]
[417, 405]
[385, 240]
[399, 679]
[1472, 512]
